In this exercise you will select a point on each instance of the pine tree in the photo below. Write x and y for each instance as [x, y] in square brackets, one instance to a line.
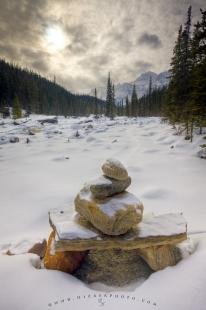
[149, 95]
[112, 111]
[127, 108]
[177, 109]
[122, 108]
[174, 98]
[109, 97]
[186, 71]
[16, 110]
[198, 96]
[95, 102]
[134, 102]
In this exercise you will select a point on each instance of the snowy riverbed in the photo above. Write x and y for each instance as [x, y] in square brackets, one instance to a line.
[48, 172]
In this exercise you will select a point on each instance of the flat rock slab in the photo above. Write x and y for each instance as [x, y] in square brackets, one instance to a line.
[76, 234]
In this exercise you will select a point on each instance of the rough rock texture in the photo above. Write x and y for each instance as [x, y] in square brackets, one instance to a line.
[77, 234]
[114, 169]
[33, 130]
[53, 120]
[161, 256]
[112, 267]
[113, 216]
[63, 261]
[39, 248]
[202, 153]
[105, 187]
[14, 140]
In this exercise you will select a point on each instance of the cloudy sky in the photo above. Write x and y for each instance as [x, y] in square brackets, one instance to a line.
[79, 41]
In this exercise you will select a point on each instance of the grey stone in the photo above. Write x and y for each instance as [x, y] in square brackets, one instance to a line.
[105, 187]
[14, 140]
[114, 169]
[113, 267]
[202, 153]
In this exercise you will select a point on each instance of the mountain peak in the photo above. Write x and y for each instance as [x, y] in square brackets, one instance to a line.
[141, 83]
[146, 76]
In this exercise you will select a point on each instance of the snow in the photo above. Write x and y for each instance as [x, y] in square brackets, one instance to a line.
[114, 162]
[151, 226]
[121, 202]
[99, 181]
[70, 230]
[110, 206]
[67, 226]
[167, 176]
[162, 225]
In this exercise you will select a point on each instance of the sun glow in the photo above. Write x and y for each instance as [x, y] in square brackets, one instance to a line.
[56, 39]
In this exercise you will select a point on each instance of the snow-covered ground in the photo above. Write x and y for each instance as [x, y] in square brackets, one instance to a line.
[48, 172]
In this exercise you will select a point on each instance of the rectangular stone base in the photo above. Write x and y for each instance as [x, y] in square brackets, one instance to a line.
[76, 234]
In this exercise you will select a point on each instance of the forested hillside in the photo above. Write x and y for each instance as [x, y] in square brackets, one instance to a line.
[186, 97]
[37, 94]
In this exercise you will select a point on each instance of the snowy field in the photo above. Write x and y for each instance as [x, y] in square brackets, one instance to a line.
[49, 171]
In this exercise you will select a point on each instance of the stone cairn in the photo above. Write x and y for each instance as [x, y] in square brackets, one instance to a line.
[108, 240]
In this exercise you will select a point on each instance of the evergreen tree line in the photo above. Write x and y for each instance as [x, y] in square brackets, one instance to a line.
[24, 89]
[183, 101]
[150, 104]
[186, 97]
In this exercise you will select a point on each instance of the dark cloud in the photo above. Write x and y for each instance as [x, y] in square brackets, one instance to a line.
[128, 24]
[142, 66]
[40, 65]
[20, 19]
[81, 39]
[97, 66]
[119, 41]
[9, 51]
[20, 31]
[38, 60]
[151, 40]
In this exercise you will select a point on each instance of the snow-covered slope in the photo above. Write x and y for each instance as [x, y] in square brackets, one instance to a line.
[141, 83]
[48, 172]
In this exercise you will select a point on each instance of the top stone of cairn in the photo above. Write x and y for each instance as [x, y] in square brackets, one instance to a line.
[114, 169]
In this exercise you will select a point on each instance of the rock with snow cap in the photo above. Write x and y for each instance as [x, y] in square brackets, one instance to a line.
[113, 215]
[14, 139]
[114, 169]
[105, 187]
[202, 153]
[74, 233]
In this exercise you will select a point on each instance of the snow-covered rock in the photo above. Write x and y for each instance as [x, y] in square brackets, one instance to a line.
[113, 215]
[114, 169]
[202, 153]
[104, 187]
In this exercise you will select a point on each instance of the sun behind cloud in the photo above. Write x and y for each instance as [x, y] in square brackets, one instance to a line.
[55, 38]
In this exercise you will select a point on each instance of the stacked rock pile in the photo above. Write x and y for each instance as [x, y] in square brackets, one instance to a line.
[106, 204]
[107, 241]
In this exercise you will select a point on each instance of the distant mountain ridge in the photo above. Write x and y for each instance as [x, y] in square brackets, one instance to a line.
[141, 83]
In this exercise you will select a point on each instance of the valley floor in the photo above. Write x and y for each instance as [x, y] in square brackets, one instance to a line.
[49, 171]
